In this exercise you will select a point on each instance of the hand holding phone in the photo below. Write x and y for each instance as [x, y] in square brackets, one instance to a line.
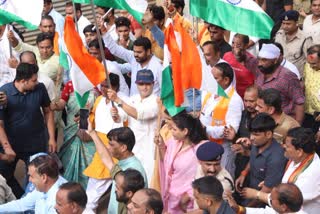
[84, 114]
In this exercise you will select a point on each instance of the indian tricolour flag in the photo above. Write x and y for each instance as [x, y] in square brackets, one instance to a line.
[185, 69]
[25, 12]
[86, 71]
[135, 7]
[241, 16]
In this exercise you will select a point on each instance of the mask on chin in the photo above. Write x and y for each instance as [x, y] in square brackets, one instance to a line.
[267, 70]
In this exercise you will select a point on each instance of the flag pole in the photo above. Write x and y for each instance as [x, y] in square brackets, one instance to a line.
[100, 44]
[195, 23]
[10, 46]
[75, 16]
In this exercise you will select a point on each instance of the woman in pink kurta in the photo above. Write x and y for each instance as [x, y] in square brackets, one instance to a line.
[179, 163]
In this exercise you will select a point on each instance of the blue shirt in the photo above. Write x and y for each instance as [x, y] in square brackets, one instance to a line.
[133, 163]
[267, 166]
[23, 120]
[38, 201]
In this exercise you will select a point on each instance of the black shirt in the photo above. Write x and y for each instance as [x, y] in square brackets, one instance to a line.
[23, 120]
[224, 47]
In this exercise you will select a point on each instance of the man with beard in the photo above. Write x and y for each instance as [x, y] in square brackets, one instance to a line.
[127, 183]
[242, 63]
[209, 156]
[272, 75]
[266, 155]
[140, 58]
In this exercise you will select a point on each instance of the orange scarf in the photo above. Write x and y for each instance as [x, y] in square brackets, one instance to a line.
[300, 169]
[219, 112]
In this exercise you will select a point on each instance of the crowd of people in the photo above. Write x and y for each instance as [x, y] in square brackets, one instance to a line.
[247, 142]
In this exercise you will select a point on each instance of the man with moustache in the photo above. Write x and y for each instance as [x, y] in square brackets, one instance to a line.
[241, 150]
[302, 168]
[271, 74]
[209, 156]
[242, 63]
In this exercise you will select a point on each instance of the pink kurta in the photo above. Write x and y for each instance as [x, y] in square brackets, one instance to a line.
[177, 173]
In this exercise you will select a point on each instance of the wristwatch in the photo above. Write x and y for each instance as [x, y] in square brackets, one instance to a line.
[120, 103]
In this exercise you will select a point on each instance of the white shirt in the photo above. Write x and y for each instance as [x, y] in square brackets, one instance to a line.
[233, 115]
[309, 184]
[7, 74]
[312, 29]
[38, 201]
[58, 20]
[82, 23]
[51, 89]
[103, 118]
[154, 64]
[267, 210]
[144, 128]
[119, 69]
[291, 67]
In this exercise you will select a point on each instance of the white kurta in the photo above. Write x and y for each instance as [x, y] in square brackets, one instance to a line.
[309, 184]
[144, 128]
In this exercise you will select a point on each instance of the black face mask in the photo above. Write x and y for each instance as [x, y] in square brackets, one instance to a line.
[267, 70]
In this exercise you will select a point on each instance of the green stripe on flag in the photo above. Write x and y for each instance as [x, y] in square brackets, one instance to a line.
[221, 92]
[231, 17]
[7, 18]
[120, 4]
[82, 100]
[82, 1]
[167, 94]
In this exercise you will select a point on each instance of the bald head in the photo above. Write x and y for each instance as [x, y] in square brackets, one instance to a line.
[290, 195]
[28, 57]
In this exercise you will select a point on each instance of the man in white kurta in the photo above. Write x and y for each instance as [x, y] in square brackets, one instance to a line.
[303, 167]
[143, 112]
[7, 74]
[215, 127]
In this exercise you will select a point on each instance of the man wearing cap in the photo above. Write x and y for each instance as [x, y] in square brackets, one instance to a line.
[293, 40]
[272, 75]
[209, 155]
[143, 111]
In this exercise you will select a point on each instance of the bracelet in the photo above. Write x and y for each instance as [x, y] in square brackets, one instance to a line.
[244, 173]
[258, 195]
[241, 210]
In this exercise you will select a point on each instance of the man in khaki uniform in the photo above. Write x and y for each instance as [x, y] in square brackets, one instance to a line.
[209, 156]
[293, 40]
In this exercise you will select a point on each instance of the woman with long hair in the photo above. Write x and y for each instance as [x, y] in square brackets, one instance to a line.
[179, 162]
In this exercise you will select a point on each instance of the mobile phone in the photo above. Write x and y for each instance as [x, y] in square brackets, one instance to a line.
[84, 114]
